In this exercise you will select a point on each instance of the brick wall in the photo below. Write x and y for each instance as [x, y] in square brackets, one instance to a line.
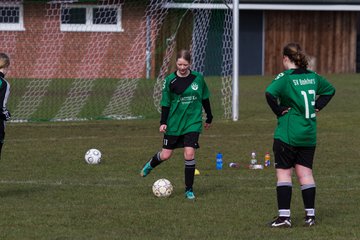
[43, 51]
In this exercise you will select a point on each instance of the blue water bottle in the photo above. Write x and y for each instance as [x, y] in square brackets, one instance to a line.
[219, 161]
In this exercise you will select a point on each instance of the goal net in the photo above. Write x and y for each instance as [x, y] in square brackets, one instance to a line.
[107, 59]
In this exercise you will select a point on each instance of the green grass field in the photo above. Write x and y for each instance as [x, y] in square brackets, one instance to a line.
[47, 191]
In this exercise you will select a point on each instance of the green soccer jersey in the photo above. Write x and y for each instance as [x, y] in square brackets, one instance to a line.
[299, 92]
[186, 106]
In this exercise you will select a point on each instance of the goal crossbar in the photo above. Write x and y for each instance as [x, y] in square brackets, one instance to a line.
[288, 7]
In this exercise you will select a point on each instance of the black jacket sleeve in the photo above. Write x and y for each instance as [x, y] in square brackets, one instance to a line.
[164, 114]
[207, 108]
[275, 107]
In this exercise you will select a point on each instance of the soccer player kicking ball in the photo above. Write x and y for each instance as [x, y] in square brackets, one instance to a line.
[4, 95]
[296, 96]
[184, 95]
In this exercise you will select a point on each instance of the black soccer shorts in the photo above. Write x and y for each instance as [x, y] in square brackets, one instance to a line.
[187, 140]
[287, 156]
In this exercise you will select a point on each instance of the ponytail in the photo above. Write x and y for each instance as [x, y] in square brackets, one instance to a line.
[296, 55]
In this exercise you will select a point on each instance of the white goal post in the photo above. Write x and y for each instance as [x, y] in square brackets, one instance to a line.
[235, 44]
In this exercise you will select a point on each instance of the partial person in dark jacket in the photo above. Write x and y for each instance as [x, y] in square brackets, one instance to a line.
[4, 96]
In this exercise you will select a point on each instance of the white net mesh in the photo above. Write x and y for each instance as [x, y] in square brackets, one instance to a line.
[121, 99]
[163, 73]
[44, 69]
[199, 38]
[226, 67]
[81, 88]
[199, 47]
[75, 68]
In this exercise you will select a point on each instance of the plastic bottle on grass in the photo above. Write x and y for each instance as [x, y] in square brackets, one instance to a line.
[253, 160]
[219, 161]
[267, 160]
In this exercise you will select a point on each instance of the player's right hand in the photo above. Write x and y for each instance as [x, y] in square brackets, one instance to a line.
[285, 111]
[163, 128]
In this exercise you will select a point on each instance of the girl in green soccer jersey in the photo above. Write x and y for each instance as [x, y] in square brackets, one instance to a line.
[295, 96]
[4, 95]
[184, 95]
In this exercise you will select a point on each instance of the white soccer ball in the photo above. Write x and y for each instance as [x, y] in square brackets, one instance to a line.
[93, 156]
[162, 188]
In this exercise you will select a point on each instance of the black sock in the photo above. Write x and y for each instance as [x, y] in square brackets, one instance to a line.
[155, 160]
[284, 191]
[189, 174]
[308, 194]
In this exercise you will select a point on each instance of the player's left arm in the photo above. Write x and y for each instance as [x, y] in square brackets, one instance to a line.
[322, 101]
[206, 105]
[209, 117]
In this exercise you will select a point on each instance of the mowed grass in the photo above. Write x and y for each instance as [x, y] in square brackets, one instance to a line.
[47, 191]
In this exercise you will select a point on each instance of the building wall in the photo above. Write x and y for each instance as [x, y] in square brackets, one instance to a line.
[42, 50]
[329, 37]
[250, 43]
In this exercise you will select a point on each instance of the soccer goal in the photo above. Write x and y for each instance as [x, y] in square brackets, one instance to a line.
[91, 59]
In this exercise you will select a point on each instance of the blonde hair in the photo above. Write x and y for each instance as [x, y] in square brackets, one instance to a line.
[296, 55]
[4, 60]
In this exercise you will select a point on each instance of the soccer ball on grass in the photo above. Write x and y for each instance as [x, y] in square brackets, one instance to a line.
[162, 188]
[93, 156]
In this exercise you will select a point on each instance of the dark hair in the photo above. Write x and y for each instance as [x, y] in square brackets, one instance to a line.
[185, 54]
[4, 60]
[295, 54]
